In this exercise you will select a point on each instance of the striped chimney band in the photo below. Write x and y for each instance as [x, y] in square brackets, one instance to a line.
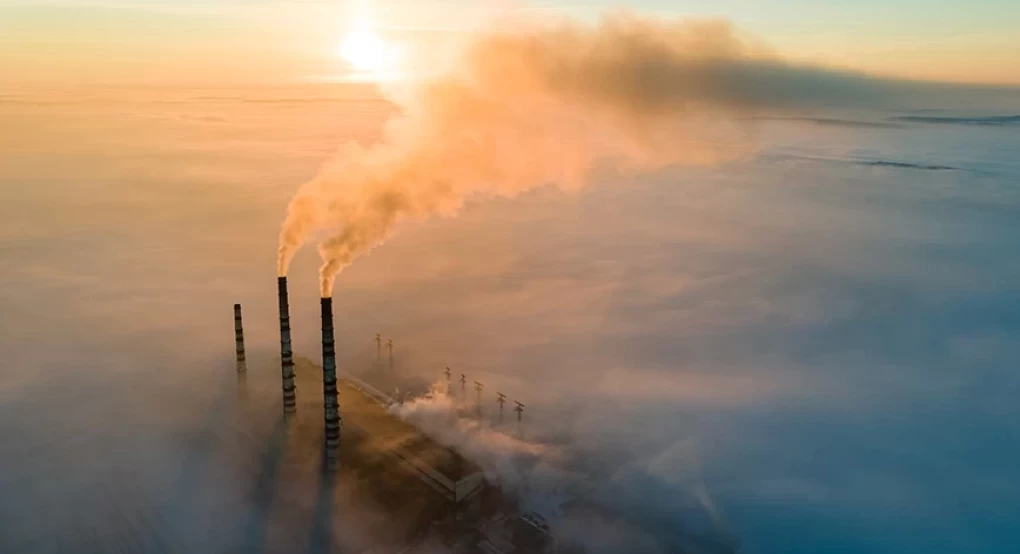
[286, 354]
[329, 391]
[239, 336]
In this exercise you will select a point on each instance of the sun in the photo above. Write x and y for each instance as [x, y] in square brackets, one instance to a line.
[364, 50]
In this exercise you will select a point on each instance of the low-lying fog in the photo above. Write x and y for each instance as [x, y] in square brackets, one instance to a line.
[831, 323]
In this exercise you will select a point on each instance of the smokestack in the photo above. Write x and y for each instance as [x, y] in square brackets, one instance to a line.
[286, 355]
[239, 338]
[329, 394]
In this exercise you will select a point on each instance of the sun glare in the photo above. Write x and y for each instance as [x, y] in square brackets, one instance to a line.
[365, 51]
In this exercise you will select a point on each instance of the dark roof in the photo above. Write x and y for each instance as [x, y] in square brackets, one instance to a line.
[385, 429]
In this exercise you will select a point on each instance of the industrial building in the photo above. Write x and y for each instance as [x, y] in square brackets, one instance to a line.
[365, 412]
[433, 499]
[437, 497]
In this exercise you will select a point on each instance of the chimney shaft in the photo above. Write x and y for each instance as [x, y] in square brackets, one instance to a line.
[329, 393]
[286, 354]
[239, 338]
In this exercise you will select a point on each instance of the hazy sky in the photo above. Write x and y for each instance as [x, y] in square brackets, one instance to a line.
[194, 41]
[830, 319]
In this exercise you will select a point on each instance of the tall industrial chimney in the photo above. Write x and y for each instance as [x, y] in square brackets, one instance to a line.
[239, 338]
[286, 355]
[329, 394]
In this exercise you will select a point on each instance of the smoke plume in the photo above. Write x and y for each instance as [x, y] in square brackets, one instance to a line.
[543, 104]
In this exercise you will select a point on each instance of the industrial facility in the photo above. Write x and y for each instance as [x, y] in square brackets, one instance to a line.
[436, 500]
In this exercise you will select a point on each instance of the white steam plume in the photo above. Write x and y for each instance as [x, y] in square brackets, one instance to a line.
[540, 105]
[543, 475]
[505, 458]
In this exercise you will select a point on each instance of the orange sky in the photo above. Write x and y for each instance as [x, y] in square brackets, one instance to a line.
[230, 42]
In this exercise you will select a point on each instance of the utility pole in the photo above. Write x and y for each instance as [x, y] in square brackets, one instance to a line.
[501, 398]
[463, 386]
[478, 389]
[519, 409]
[378, 348]
[389, 344]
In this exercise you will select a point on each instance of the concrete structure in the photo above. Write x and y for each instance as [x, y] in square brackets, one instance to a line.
[286, 354]
[331, 409]
[239, 338]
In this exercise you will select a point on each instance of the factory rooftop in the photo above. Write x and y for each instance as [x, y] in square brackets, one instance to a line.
[365, 411]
